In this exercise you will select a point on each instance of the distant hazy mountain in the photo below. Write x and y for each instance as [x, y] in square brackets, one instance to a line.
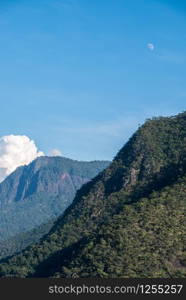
[20, 241]
[41, 191]
[129, 221]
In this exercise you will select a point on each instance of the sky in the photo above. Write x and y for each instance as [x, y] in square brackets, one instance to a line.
[80, 76]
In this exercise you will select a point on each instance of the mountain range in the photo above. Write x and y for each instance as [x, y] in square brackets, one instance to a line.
[129, 221]
[41, 191]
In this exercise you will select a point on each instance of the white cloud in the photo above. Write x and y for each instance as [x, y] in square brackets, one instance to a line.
[15, 151]
[55, 152]
[150, 46]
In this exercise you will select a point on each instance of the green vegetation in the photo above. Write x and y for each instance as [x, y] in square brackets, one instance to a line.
[145, 239]
[129, 221]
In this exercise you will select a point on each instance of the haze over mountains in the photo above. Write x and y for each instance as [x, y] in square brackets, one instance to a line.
[41, 191]
[21, 240]
[129, 221]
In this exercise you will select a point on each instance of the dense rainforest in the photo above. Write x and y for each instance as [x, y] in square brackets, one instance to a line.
[129, 221]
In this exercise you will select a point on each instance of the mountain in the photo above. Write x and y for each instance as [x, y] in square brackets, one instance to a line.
[22, 240]
[129, 221]
[34, 194]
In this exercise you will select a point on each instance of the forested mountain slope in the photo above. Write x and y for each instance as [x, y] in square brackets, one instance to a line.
[129, 221]
[145, 239]
[34, 194]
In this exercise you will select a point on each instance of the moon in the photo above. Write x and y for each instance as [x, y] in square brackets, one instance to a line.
[150, 46]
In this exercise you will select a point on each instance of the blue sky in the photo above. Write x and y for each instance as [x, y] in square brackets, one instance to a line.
[79, 76]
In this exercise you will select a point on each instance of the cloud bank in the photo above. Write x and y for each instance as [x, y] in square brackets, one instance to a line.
[15, 151]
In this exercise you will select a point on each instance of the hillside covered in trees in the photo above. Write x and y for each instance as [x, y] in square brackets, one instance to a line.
[129, 221]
